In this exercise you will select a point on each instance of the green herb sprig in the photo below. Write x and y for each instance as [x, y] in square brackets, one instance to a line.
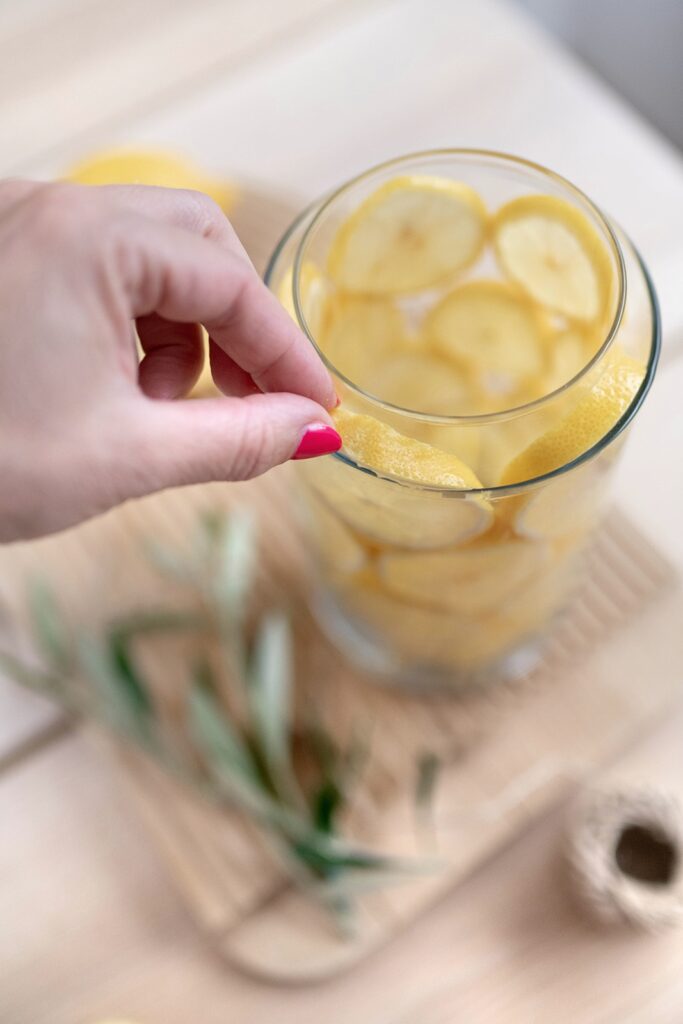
[244, 744]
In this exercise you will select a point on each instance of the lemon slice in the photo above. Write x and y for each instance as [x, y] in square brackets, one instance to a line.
[339, 551]
[569, 506]
[591, 417]
[150, 167]
[476, 579]
[426, 383]
[359, 334]
[431, 636]
[422, 383]
[570, 350]
[313, 294]
[385, 512]
[412, 233]
[551, 249]
[492, 330]
[384, 450]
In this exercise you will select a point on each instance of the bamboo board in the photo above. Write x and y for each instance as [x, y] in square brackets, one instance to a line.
[507, 753]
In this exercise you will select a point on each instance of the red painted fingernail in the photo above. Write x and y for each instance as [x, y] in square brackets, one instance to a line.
[318, 439]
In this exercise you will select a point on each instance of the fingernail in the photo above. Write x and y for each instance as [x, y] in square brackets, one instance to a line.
[338, 402]
[318, 439]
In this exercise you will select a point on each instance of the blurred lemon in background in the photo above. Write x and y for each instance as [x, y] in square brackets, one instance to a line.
[150, 167]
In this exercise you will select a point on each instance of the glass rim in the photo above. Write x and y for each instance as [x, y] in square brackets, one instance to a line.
[590, 453]
[500, 415]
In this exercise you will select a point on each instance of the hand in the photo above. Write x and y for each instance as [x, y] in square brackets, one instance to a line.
[82, 425]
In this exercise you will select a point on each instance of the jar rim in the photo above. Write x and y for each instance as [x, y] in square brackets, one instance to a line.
[315, 212]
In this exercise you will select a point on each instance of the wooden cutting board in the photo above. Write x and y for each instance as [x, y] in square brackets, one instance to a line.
[507, 753]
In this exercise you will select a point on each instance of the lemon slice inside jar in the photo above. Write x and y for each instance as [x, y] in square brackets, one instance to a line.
[584, 425]
[493, 331]
[476, 579]
[572, 503]
[381, 448]
[388, 512]
[413, 232]
[551, 249]
[313, 294]
[360, 335]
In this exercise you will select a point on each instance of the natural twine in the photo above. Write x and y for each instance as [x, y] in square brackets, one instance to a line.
[625, 853]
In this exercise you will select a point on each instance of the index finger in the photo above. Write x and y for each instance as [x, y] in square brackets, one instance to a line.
[188, 278]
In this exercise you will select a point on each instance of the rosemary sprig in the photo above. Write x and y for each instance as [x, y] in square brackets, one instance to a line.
[244, 745]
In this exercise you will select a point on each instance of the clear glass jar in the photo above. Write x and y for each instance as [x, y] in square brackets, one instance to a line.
[457, 586]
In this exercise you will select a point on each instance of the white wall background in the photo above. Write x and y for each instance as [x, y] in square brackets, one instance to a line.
[636, 45]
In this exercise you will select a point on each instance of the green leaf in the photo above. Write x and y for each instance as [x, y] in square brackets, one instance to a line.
[214, 735]
[269, 695]
[325, 805]
[327, 862]
[49, 627]
[234, 559]
[122, 694]
[428, 768]
[136, 692]
[155, 622]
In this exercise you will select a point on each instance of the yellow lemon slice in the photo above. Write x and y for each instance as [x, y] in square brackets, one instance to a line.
[425, 383]
[360, 335]
[313, 294]
[384, 512]
[570, 350]
[432, 636]
[422, 382]
[552, 250]
[412, 233]
[569, 506]
[590, 418]
[384, 450]
[150, 167]
[338, 549]
[476, 579]
[492, 330]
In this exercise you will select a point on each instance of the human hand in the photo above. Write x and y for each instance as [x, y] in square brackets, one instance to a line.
[82, 426]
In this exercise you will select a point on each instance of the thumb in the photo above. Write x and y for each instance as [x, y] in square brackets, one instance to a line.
[198, 441]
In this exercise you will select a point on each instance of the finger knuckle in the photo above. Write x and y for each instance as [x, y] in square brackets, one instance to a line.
[205, 213]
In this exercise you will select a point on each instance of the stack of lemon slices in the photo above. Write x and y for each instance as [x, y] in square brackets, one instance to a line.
[477, 344]
[433, 305]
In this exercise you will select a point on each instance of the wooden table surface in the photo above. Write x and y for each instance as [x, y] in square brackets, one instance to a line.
[300, 94]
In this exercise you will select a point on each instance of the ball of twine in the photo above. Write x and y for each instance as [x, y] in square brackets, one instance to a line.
[625, 852]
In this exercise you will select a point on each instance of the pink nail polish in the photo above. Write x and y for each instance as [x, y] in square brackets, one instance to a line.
[318, 439]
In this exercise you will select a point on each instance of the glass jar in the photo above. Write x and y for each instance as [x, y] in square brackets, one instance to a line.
[458, 585]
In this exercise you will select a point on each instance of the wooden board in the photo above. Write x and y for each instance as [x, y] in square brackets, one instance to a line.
[508, 752]
[508, 755]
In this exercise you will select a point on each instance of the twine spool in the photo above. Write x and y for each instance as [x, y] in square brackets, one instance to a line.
[625, 851]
